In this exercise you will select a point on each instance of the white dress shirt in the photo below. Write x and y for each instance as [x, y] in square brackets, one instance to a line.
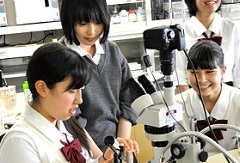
[95, 59]
[227, 107]
[230, 33]
[35, 140]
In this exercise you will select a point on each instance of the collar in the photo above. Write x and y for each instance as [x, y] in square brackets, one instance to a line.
[196, 105]
[195, 25]
[216, 25]
[41, 124]
[219, 109]
[95, 59]
[99, 49]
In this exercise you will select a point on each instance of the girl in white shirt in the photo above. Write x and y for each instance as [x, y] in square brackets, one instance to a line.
[221, 101]
[204, 19]
[56, 76]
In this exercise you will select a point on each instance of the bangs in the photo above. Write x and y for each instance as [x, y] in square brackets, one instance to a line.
[87, 13]
[78, 81]
[80, 75]
[80, 11]
[203, 58]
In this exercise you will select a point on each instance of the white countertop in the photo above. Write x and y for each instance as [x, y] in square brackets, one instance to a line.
[219, 158]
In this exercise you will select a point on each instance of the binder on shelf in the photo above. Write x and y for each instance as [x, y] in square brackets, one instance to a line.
[3, 16]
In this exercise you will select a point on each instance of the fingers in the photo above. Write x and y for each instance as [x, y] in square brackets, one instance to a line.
[135, 147]
[129, 144]
[108, 154]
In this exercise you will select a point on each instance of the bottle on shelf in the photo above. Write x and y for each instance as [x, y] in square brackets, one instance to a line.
[27, 92]
[141, 14]
[132, 16]
[115, 19]
[124, 16]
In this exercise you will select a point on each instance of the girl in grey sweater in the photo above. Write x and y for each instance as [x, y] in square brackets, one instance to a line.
[107, 98]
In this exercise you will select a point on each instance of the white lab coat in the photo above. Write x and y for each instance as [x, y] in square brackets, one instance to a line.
[227, 107]
[35, 140]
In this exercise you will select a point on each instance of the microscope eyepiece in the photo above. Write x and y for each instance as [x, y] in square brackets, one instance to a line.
[147, 85]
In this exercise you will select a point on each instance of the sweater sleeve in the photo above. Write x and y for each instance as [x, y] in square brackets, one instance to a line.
[126, 98]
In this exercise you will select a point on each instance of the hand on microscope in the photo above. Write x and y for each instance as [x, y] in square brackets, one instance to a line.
[120, 150]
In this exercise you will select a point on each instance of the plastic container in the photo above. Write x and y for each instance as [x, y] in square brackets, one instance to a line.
[132, 16]
[141, 14]
[124, 16]
[27, 92]
[115, 19]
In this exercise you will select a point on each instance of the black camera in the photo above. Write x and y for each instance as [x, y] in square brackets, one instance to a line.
[164, 38]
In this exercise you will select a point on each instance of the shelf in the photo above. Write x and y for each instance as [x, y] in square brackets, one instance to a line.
[127, 30]
[15, 75]
[118, 2]
[13, 52]
[117, 31]
[30, 28]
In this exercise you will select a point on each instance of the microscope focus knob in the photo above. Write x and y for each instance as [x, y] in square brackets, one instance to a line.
[202, 156]
[177, 151]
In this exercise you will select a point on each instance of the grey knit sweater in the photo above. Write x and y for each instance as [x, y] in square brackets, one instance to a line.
[107, 97]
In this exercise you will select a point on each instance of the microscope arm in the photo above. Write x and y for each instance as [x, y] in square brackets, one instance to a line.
[220, 126]
[200, 135]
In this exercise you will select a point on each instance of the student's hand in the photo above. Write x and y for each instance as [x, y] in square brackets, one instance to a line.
[129, 145]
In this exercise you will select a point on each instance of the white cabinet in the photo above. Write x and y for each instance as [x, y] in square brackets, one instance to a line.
[123, 30]
[134, 29]
[117, 31]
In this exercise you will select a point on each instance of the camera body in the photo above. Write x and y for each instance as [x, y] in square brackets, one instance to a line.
[164, 38]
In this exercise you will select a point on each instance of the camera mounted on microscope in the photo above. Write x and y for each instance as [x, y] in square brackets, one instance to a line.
[166, 40]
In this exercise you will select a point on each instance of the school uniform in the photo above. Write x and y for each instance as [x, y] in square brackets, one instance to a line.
[35, 140]
[227, 107]
[230, 44]
[107, 97]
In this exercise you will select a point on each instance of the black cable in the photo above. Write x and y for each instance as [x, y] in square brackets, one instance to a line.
[30, 38]
[179, 90]
[167, 105]
[4, 42]
[43, 39]
[200, 97]
[28, 42]
[203, 104]
[148, 64]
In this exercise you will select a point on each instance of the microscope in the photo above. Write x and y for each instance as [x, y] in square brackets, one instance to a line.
[157, 110]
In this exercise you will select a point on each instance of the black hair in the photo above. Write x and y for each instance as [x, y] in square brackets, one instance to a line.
[53, 63]
[206, 54]
[77, 11]
[74, 127]
[192, 7]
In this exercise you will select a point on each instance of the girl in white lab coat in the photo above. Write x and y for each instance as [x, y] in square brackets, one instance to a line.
[56, 76]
